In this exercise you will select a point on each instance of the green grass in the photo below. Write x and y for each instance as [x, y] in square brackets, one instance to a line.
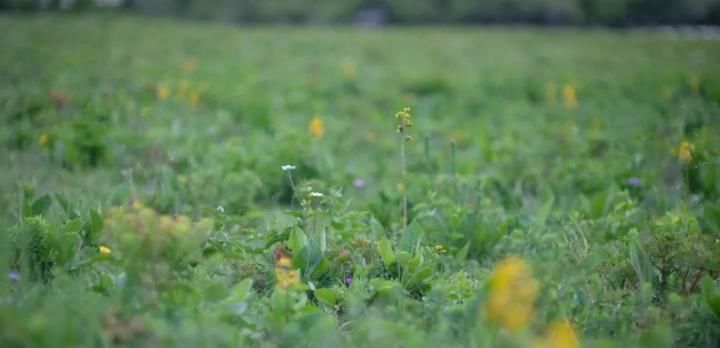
[617, 224]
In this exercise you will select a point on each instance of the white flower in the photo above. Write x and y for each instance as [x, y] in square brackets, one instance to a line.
[287, 167]
[220, 209]
[316, 194]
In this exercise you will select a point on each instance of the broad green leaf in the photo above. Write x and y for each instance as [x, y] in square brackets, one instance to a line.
[321, 268]
[94, 230]
[377, 229]
[383, 286]
[65, 205]
[424, 275]
[74, 226]
[462, 253]
[327, 296]
[386, 252]
[41, 205]
[411, 237]
[65, 244]
[403, 257]
[297, 240]
[240, 291]
[278, 237]
[711, 293]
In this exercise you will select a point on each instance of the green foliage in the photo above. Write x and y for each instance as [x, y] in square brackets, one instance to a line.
[161, 187]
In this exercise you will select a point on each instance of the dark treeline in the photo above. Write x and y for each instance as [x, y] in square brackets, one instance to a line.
[592, 12]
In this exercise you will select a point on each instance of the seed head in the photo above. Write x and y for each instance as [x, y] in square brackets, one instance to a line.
[404, 117]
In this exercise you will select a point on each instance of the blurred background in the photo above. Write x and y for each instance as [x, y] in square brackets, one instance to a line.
[380, 12]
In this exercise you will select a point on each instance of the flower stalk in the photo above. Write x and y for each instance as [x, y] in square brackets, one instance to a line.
[404, 118]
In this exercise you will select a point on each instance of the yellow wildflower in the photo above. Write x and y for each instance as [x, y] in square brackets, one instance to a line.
[286, 279]
[440, 249]
[183, 224]
[188, 66]
[104, 250]
[283, 262]
[162, 91]
[685, 151]
[551, 92]
[560, 335]
[145, 112]
[404, 117]
[165, 224]
[284, 276]
[570, 96]
[194, 98]
[316, 128]
[43, 139]
[348, 68]
[695, 84]
[205, 224]
[512, 294]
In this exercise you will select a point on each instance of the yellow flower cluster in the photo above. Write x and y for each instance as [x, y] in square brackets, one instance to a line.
[348, 69]
[104, 250]
[189, 94]
[187, 66]
[194, 98]
[695, 84]
[285, 276]
[560, 335]
[316, 127]
[145, 111]
[184, 92]
[404, 117]
[43, 139]
[512, 294]
[440, 249]
[685, 151]
[138, 226]
[570, 96]
[162, 91]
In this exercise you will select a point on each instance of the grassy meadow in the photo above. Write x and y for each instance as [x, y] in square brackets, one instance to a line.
[178, 183]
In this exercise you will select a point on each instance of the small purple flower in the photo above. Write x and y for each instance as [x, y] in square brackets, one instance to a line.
[633, 181]
[348, 280]
[359, 183]
[14, 276]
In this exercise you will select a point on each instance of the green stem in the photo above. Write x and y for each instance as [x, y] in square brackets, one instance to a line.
[452, 158]
[428, 165]
[404, 185]
[292, 186]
